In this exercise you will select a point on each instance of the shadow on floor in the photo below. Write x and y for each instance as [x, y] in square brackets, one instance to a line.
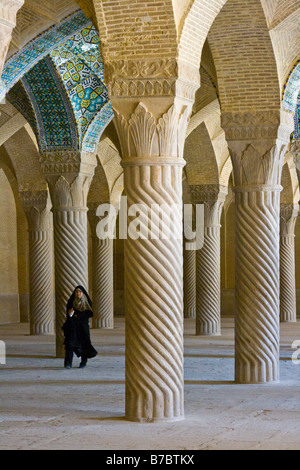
[209, 382]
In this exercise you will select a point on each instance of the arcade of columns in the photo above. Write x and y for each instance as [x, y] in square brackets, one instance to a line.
[153, 95]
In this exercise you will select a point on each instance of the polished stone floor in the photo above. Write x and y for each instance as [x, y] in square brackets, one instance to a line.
[44, 406]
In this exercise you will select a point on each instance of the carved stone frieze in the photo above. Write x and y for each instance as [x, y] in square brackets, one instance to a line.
[207, 193]
[257, 125]
[60, 162]
[156, 77]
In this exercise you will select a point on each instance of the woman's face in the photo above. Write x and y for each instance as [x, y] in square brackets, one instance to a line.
[78, 293]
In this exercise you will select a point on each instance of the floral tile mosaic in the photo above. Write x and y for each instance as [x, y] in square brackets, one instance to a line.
[21, 62]
[66, 91]
[57, 129]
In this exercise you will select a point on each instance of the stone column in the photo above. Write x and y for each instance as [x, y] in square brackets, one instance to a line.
[208, 314]
[189, 283]
[8, 12]
[103, 279]
[69, 176]
[288, 218]
[37, 208]
[154, 264]
[152, 99]
[257, 144]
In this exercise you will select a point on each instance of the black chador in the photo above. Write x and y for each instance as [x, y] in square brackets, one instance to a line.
[76, 328]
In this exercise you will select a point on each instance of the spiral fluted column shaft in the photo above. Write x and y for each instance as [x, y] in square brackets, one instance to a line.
[189, 283]
[257, 285]
[41, 282]
[208, 316]
[103, 283]
[288, 307]
[71, 261]
[153, 300]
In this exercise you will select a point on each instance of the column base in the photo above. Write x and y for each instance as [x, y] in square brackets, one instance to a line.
[42, 332]
[268, 382]
[154, 420]
[103, 326]
[206, 331]
[256, 377]
[190, 313]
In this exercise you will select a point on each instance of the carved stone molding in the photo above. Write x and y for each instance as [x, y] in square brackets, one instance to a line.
[8, 12]
[156, 77]
[34, 198]
[60, 162]
[135, 69]
[144, 137]
[207, 193]
[257, 125]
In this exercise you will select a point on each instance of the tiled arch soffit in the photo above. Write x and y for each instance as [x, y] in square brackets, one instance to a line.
[291, 96]
[70, 53]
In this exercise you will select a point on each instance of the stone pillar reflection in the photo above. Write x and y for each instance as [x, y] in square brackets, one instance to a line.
[257, 143]
[103, 280]
[288, 218]
[69, 176]
[37, 208]
[208, 316]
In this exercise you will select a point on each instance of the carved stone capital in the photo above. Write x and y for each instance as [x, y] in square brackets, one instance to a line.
[37, 207]
[66, 195]
[253, 165]
[288, 218]
[143, 137]
[213, 197]
[8, 12]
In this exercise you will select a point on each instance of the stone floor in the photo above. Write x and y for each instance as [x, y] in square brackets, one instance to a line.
[44, 406]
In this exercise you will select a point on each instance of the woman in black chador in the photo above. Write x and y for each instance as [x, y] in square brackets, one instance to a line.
[76, 328]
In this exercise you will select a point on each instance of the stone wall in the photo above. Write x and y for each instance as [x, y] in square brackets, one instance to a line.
[9, 296]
